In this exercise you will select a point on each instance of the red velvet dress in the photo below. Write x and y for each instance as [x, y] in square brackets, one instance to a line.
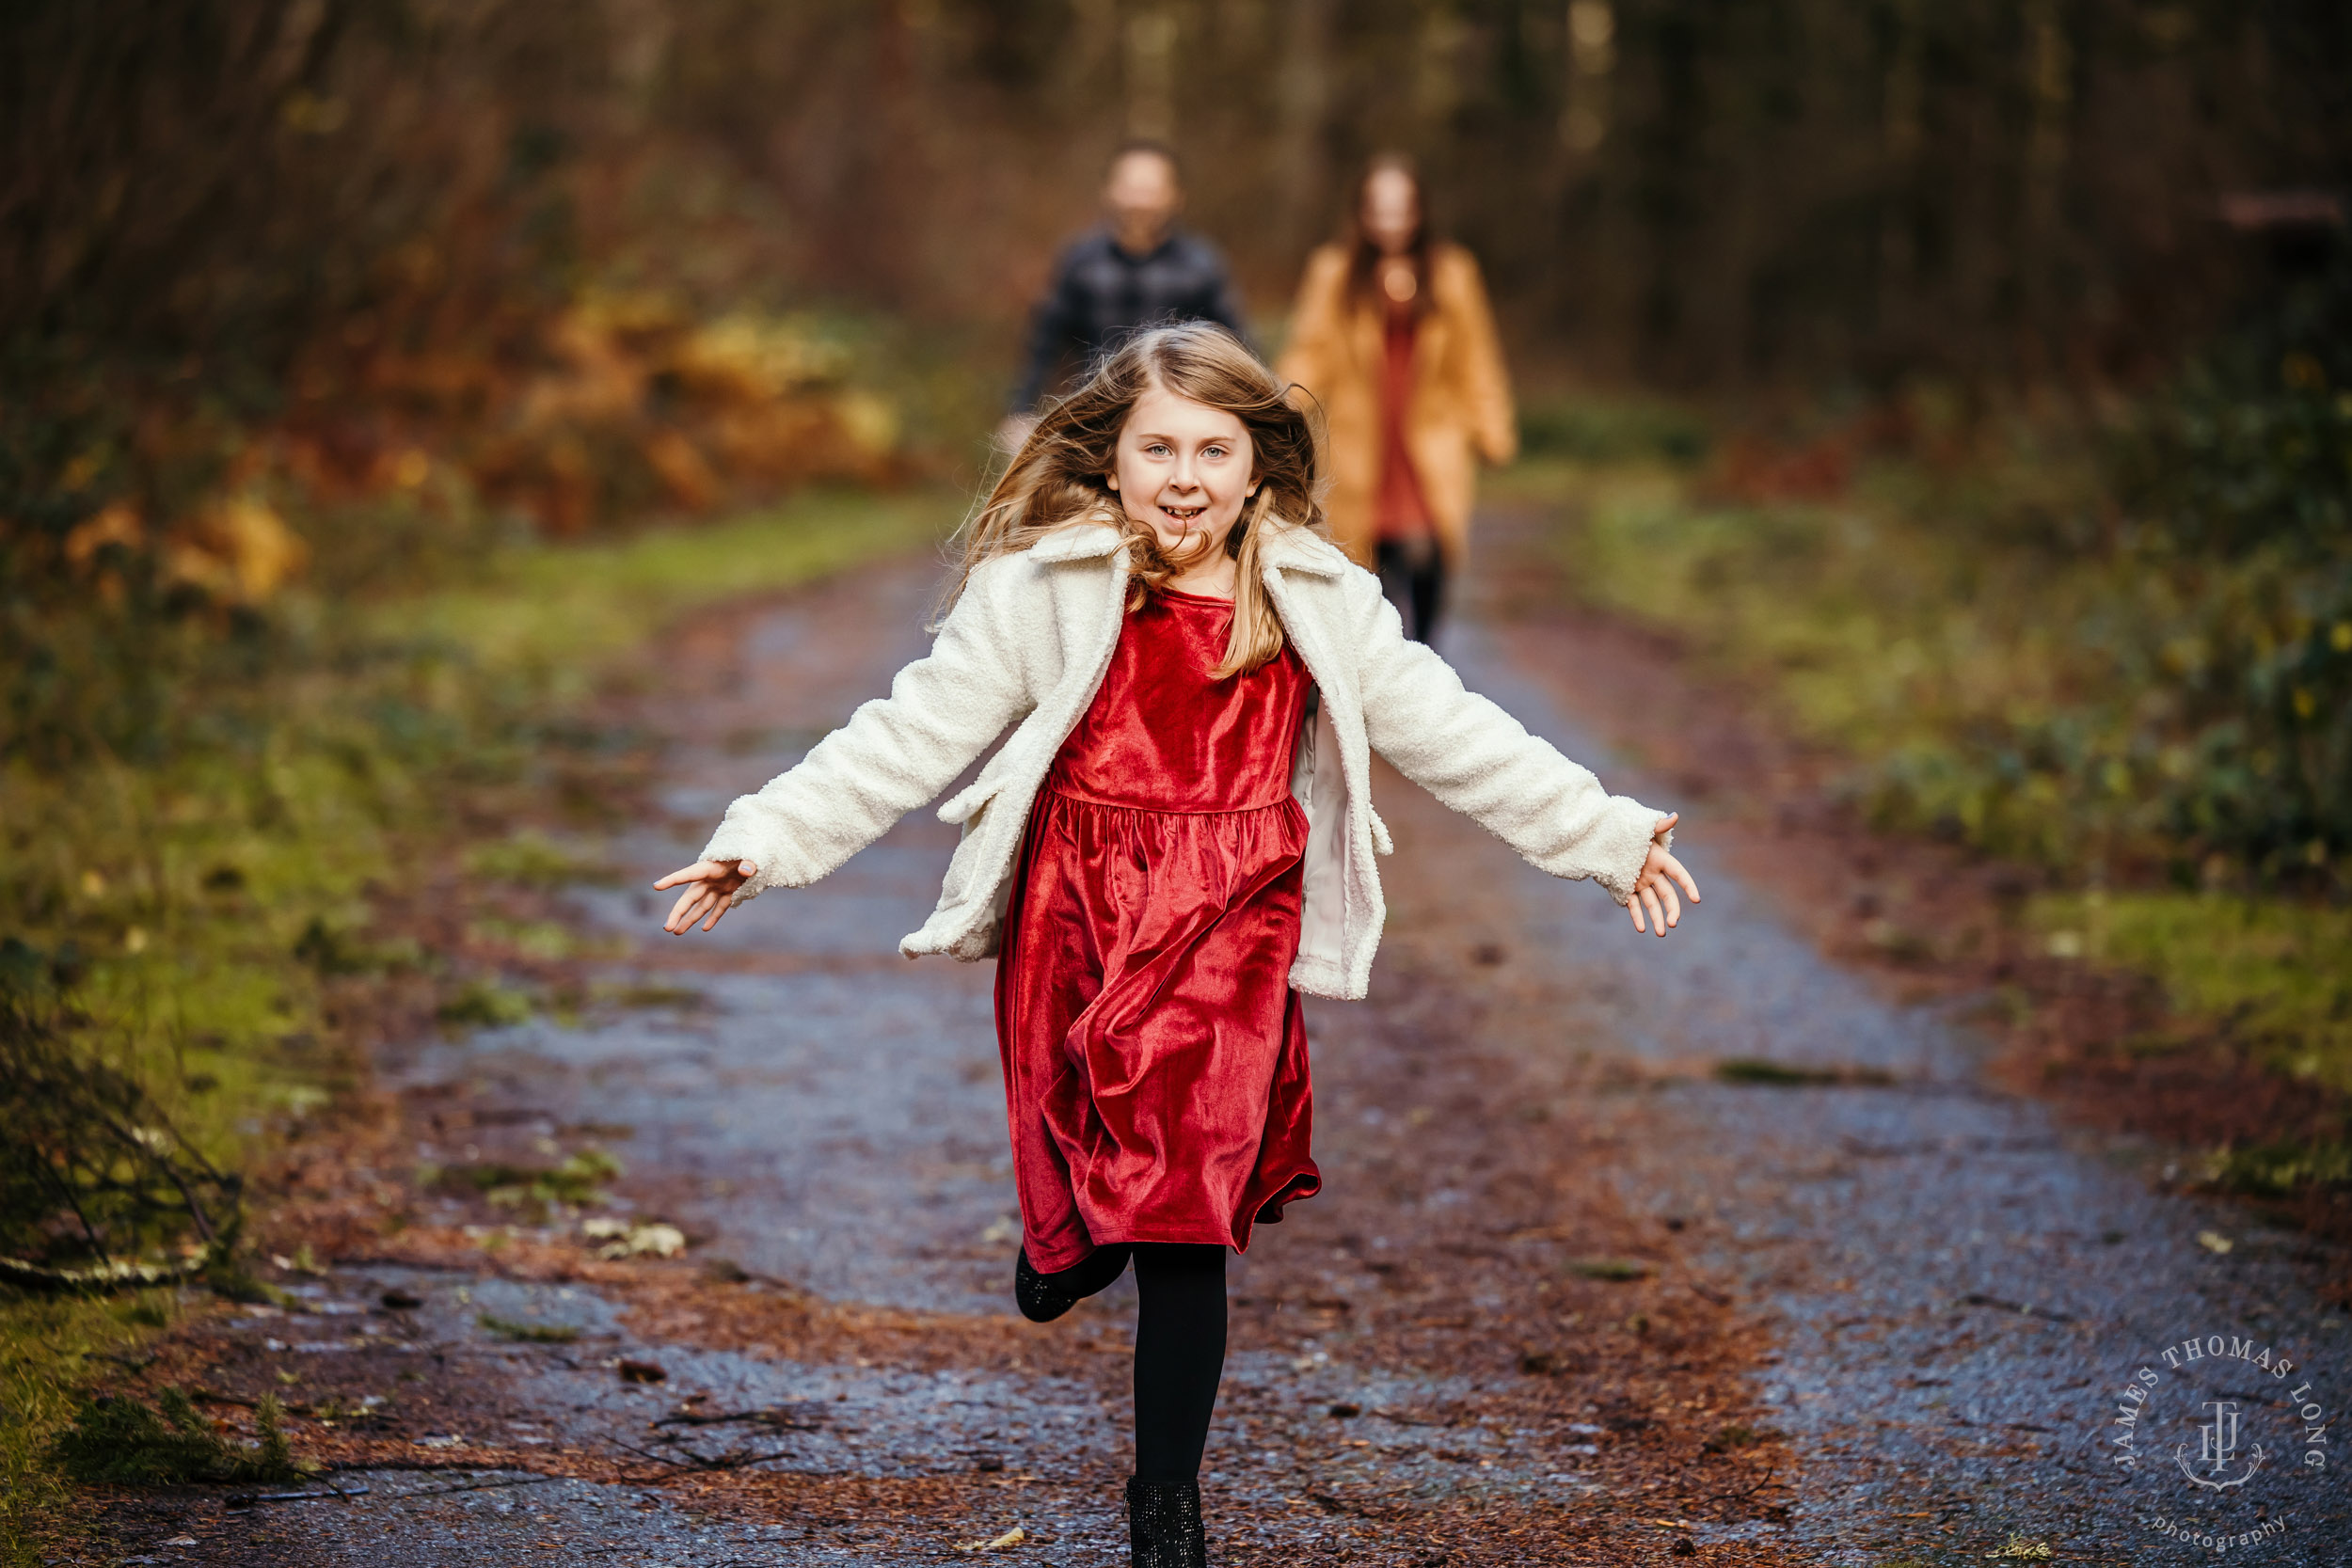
[1154, 1055]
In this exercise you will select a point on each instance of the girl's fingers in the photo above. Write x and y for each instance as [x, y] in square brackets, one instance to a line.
[709, 891]
[1673, 905]
[1666, 824]
[1656, 918]
[1674, 869]
[1633, 909]
[709, 871]
[688, 910]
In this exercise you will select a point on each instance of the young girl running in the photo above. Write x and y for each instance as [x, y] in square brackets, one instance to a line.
[1175, 841]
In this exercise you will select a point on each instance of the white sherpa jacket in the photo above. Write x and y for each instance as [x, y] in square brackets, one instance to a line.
[1026, 645]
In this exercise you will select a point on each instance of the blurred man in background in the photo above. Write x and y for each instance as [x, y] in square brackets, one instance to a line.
[1137, 270]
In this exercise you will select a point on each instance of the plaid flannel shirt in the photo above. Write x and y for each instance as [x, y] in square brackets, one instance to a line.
[1100, 294]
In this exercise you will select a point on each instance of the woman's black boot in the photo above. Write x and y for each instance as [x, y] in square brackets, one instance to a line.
[1164, 1527]
[1044, 1297]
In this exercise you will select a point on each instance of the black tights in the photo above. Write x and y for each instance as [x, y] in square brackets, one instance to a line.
[1412, 575]
[1179, 1346]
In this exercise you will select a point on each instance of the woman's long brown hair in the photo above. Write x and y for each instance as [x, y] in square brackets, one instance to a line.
[1060, 476]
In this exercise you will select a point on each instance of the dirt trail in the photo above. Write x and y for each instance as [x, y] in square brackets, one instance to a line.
[1567, 1297]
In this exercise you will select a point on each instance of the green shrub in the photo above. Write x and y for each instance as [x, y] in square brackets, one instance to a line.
[2092, 651]
[2239, 490]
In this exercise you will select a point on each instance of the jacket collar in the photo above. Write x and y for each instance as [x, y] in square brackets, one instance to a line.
[1285, 547]
[1076, 541]
[1298, 549]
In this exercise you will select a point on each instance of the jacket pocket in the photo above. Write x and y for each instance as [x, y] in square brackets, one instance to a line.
[966, 802]
[963, 868]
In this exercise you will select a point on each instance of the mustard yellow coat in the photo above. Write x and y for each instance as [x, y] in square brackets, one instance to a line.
[1461, 410]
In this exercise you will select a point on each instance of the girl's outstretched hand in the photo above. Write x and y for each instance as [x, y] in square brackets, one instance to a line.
[709, 886]
[1659, 873]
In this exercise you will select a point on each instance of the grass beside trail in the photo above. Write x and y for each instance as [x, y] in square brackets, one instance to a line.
[192, 906]
[1963, 670]
[561, 616]
[2277, 974]
[49, 1350]
[2000, 673]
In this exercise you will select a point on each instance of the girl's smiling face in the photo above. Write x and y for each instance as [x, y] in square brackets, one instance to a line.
[1184, 470]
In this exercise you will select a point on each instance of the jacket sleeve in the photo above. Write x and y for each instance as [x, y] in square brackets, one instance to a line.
[1317, 323]
[1485, 383]
[1482, 762]
[1226, 308]
[894, 753]
[1053, 328]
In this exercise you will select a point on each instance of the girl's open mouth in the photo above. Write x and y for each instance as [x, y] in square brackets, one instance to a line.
[1183, 514]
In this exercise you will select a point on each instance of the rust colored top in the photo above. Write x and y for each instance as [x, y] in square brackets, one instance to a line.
[1399, 510]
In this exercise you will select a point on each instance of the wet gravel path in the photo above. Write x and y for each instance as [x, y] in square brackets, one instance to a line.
[1569, 1296]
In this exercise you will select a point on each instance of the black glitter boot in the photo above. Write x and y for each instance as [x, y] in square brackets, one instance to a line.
[1164, 1527]
[1044, 1297]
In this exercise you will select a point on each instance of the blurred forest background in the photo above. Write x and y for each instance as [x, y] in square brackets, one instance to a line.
[1976, 375]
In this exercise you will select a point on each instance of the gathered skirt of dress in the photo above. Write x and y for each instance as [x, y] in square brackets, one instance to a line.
[1154, 1054]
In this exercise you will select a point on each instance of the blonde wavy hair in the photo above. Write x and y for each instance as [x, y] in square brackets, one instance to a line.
[1060, 476]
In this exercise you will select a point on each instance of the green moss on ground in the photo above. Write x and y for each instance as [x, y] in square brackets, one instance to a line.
[2275, 976]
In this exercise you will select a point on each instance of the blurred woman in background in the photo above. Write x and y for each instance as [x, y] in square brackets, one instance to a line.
[1393, 334]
